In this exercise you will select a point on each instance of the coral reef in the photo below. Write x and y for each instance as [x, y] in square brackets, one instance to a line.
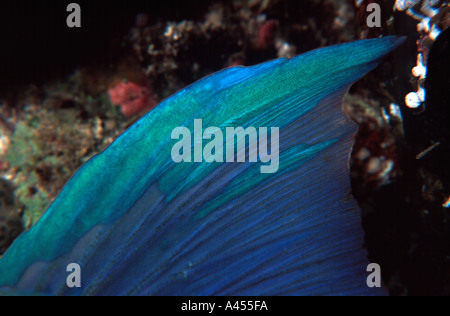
[176, 53]
[11, 224]
[434, 17]
[399, 162]
[51, 138]
[132, 98]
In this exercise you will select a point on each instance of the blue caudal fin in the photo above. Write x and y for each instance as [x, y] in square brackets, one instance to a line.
[138, 223]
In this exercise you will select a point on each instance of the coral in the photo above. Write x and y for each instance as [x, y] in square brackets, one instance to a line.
[176, 52]
[399, 160]
[375, 160]
[132, 98]
[10, 217]
[433, 17]
[36, 155]
[4, 144]
[50, 141]
[266, 34]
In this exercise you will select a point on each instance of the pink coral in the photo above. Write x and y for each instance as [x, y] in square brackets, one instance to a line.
[132, 98]
[266, 34]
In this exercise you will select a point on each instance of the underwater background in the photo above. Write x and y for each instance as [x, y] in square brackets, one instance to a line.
[67, 94]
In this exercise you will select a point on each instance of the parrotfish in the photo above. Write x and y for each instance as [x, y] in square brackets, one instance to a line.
[137, 223]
